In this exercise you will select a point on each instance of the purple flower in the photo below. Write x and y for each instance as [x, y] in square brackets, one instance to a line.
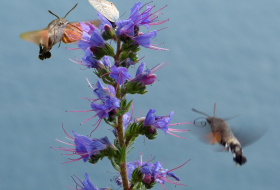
[104, 21]
[125, 27]
[145, 39]
[84, 146]
[158, 122]
[91, 37]
[119, 74]
[106, 61]
[152, 172]
[161, 122]
[146, 77]
[108, 99]
[86, 184]
[137, 19]
[89, 61]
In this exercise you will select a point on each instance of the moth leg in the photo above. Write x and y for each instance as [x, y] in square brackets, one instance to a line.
[59, 44]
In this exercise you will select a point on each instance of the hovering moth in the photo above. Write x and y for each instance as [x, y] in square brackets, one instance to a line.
[233, 141]
[58, 30]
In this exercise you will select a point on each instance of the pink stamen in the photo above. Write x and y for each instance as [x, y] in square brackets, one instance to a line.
[72, 48]
[106, 74]
[180, 123]
[81, 111]
[90, 117]
[67, 133]
[175, 168]
[73, 160]
[139, 114]
[162, 185]
[64, 142]
[178, 130]
[89, 84]
[176, 135]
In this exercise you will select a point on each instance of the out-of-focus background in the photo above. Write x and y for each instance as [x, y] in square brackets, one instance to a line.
[220, 51]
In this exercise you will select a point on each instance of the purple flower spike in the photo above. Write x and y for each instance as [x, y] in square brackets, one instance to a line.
[119, 74]
[145, 39]
[86, 184]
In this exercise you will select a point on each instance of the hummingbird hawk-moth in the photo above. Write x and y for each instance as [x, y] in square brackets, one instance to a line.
[231, 140]
[58, 30]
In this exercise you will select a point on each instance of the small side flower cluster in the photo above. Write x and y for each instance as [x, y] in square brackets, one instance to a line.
[147, 174]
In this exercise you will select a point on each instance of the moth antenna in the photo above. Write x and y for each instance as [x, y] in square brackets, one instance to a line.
[200, 112]
[53, 14]
[215, 105]
[71, 10]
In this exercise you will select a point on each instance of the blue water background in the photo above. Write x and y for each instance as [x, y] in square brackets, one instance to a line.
[220, 51]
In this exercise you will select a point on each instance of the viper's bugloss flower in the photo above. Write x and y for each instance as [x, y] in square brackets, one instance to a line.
[104, 22]
[119, 74]
[158, 122]
[89, 61]
[130, 27]
[145, 39]
[152, 173]
[106, 61]
[147, 77]
[108, 99]
[161, 122]
[84, 146]
[85, 42]
[86, 184]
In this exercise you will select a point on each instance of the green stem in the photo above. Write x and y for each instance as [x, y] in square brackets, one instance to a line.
[119, 128]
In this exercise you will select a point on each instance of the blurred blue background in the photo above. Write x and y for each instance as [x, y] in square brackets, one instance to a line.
[220, 51]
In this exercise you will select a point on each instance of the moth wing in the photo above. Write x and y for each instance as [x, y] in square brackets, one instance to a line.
[202, 130]
[106, 8]
[37, 36]
[248, 135]
[73, 31]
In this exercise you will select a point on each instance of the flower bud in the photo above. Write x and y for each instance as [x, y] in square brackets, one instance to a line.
[108, 33]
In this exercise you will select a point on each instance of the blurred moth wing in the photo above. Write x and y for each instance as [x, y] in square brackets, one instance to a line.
[106, 8]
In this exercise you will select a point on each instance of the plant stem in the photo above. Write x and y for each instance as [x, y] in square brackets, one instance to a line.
[119, 128]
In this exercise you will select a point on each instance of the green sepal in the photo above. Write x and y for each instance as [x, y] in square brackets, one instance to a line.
[103, 74]
[149, 186]
[136, 176]
[138, 186]
[129, 46]
[122, 154]
[99, 51]
[134, 87]
[113, 124]
[109, 152]
[108, 33]
[110, 50]
[114, 164]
